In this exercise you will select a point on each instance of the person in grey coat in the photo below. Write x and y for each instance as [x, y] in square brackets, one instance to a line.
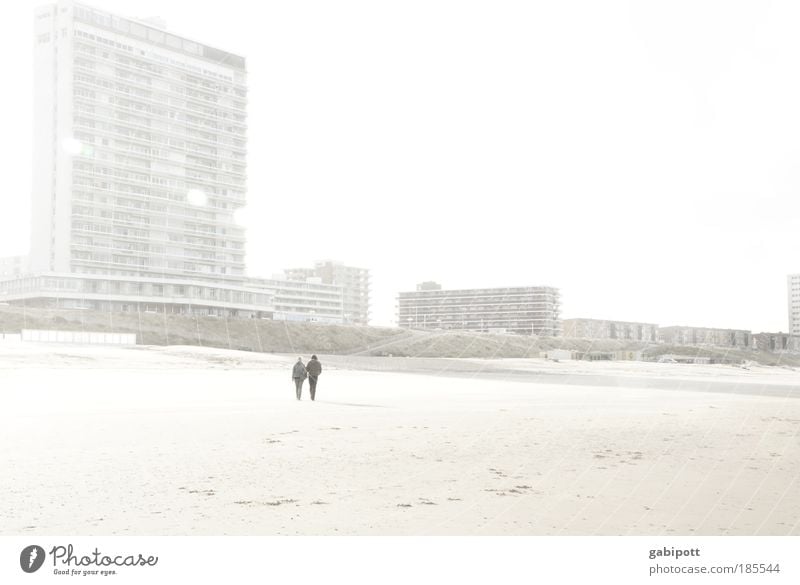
[314, 369]
[299, 375]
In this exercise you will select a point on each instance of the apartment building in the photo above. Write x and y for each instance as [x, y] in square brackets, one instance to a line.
[119, 293]
[355, 284]
[793, 290]
[605, 329]
[140, 145]
[532, 310]
[776, 342]
[309, 300]
[681, 335]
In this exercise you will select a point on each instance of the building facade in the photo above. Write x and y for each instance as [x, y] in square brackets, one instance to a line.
[533, 310]
[309, 300]
[776, 342]
[680, 335]
[108, 292]
[603, 329]
[793, 289]
[355, 284]
[140, 144]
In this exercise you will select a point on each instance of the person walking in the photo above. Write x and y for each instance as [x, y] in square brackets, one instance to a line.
[299, 375]
[314, 369]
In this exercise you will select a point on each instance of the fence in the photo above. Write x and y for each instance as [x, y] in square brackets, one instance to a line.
[90, 337]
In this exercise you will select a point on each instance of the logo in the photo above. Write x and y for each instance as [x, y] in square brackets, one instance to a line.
[31, 558]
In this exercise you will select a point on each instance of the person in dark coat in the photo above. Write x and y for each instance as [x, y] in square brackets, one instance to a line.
[299, 375]
[314, 369]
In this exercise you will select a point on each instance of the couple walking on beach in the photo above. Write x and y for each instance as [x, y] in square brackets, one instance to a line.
[312, 370]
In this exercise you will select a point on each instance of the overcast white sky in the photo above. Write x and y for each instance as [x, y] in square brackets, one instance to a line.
[641, 156]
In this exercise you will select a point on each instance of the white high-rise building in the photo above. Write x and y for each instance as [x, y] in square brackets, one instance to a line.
[139, 167]
[793, 282]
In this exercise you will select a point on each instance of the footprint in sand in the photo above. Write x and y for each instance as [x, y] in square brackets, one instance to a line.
[269, 503]
[204, 492]
[280, 502]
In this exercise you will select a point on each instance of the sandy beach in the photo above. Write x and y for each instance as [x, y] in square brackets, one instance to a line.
[189, 440]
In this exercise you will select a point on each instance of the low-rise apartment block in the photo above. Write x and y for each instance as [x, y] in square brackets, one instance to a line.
[527, 310]
[111, 292]
[605, 329]
[777, 342]
[681, 335]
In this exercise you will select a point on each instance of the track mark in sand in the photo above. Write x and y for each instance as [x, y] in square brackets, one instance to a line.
[517, 490]
[289, 432]
[403, 505]
[621, 457]
[779, 419]
[454, 499]
[427, 502]
[272, 441]
[203, 492]
[319, 503]
[252, 503]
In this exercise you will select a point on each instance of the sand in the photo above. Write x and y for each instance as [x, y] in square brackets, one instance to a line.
[180, 440]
